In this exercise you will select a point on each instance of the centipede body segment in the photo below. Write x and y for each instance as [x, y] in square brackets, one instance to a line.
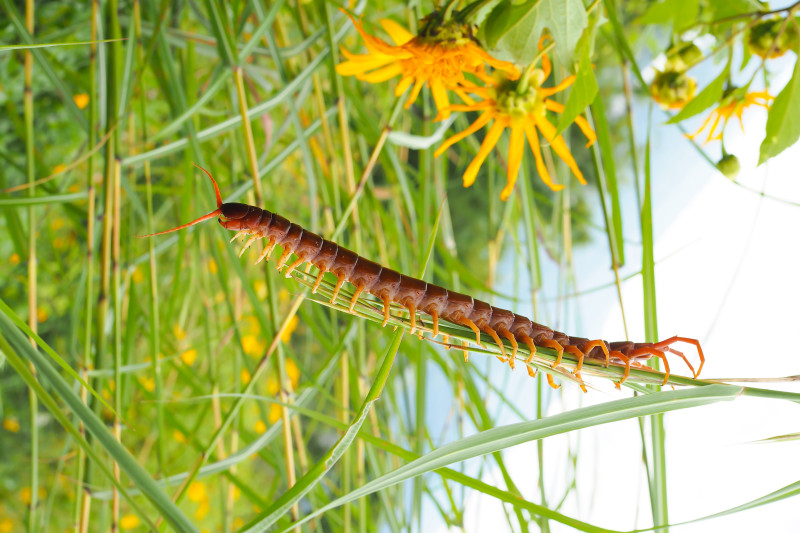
[418, 296]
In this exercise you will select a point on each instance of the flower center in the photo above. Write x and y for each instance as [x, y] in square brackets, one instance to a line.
[447, 34]
[514, 100]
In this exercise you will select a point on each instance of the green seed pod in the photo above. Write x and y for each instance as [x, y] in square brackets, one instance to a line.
[766, 40]
[673, 89]
[729, 166]
[682, 56]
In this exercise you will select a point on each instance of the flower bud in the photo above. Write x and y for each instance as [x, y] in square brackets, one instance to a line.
[729, 166]
[673, 89]
[682, 56]
[766, 39]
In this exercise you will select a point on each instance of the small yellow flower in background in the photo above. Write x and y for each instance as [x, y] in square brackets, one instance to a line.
[202, 509]
[292, 372]
[521, 106]
[197, 491]
[6, 525]
[149, 384]
[179, 332]
[25, 494]
[261, 289]
[74, 188]
[59, 168]
[253, 346]
[238, 523]
[188, 357]
[14, 259]
[251, 324]
[286, 335]
[11, 424]
[129, 521]
[274, 413]
[283, 296]
[81, 100]
[57, 224]
[237, 492]
[212, 266]
[260, 427]
[219, 297]
[137, 275]
[730, 106]
[41, 314]
[439, 56]
[179, 436]
[58, 243]
[273, 387]
[244, 375]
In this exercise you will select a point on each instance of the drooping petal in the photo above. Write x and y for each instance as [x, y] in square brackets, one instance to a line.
[566, 82]
[480, 122]
[559, 146]
[533, 140]
[458, 107]
[713, 128]
[701, 128]
[399, 34]
[440, 98]
[415, 92]
[381, 75]
[492, 136]
[404, 84]
[582, 123]
[516, 143]
[509, 68]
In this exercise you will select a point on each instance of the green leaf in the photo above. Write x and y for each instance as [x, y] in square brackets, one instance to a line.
[783, 121]
[516, 30]
[707, 97]
[680, 13]
[728, 8]
[583, 90]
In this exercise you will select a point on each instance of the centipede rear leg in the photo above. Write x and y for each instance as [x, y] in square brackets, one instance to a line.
[650, 351]
[694, 342]
[625, 359]
[550, 343]
[514, 346]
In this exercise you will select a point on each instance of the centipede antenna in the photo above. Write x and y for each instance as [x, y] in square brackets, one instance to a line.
[216, 212]
[216, 187]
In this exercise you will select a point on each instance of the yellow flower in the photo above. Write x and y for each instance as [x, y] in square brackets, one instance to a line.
[272, 386]
[188, 357]
[274, 413]
[261, 289]
[41, 314]
[81, 100]
[286, 335]
[212, 266]
[129, 521]
[245, 376]
[179, 332]
[14, 259]
[25, 494]
[292, 372]
[11, 424]
[520, 106]
[729, 106]
[179, 436]
[260, 426]
[6, 525]
[149, 384]
[202, 509]
[438, 57]
[253, 346]
[137, 275]
[197, 491]
[238, 523]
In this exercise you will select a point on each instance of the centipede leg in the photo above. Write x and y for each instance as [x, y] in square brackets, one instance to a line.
[267, 251]
[356, 294]
[685, 360]
[656, 353]
[239, 234]
[592, 344]
[320, 275]
[386, 302]
[283, 258]
[297, 263]
[339, 283]
[551, 382]
[627, 361]
[694, 342]
[527, 340]
[435, 320]
[550, 343]
[250, 241]
[493, 334]
[412, 314]
[507, 334]
[574, 350]
[471, 325]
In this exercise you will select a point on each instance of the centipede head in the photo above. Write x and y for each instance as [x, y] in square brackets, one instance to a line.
[228, 211]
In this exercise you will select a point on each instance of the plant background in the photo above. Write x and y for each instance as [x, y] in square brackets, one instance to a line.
[171, 330]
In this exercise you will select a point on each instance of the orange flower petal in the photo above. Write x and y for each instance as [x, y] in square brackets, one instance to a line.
[404, 84]
[486, 146]
[533, 140]
[440, 98]
[559, 146]
[399, 34]
[415, 92]
[566, 82]
[480, 122]
[383, 74]
[516, 144]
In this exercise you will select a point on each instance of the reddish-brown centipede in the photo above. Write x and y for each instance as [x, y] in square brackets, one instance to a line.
[419, 296]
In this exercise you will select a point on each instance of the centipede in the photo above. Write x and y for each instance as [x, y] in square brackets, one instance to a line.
[419, 297]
